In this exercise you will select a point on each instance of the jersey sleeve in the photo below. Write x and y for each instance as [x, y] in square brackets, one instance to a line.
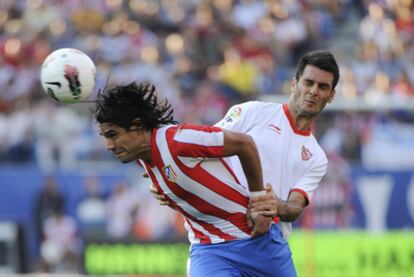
[239, 118]
[307, 184]
[198, 141]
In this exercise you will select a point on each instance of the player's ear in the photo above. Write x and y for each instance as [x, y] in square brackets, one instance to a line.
[332, 96]
[293, 84]
[136, 124]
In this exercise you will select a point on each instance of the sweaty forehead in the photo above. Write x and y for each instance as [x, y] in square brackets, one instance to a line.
[106, 127]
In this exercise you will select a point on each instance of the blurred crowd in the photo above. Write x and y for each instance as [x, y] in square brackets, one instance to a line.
[121, 212]
[204, 55]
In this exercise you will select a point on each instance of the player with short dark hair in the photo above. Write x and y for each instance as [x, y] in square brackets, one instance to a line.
[292, 160]
[185, 163]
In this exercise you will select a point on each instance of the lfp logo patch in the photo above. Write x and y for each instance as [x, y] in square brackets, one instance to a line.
[170, 173]
[235, 112]
[233, 115]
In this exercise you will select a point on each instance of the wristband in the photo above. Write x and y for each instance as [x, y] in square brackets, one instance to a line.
[257, 193]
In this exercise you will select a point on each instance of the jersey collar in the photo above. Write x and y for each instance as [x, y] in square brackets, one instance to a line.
[292, 124]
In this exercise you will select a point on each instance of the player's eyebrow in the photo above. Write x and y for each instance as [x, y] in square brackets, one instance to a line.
[107, 132]
[321, 84]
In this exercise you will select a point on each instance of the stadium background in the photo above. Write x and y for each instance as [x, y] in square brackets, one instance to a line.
[204, 55]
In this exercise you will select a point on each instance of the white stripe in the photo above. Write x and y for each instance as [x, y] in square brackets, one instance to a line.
[193, 239]
[199, 137]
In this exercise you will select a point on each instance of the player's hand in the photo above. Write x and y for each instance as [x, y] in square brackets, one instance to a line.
[266, 204]
[261, 211]
[162, 200]
[258, 223]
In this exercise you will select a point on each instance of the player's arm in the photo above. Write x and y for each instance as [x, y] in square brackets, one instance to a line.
[290, 210]
[244, 147]
[287, 211]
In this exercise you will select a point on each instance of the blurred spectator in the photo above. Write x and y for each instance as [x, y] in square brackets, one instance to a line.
[49, 200]
[331, 203]
[58, 131]
[121, 206]
[153, 222]
[60, 249]
[91, 210]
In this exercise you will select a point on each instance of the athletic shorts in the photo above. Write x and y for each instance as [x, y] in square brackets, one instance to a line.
[267, 255]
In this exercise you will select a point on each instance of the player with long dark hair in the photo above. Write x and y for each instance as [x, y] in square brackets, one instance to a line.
[185, 163]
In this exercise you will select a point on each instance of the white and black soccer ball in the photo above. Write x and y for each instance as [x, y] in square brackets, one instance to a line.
[68, 75]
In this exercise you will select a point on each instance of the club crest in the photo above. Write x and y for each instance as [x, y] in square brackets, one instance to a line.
[170, 173]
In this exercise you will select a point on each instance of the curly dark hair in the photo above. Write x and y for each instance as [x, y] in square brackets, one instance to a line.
[122, 104]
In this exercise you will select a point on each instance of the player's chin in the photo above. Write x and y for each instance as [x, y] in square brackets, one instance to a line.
[125, 159]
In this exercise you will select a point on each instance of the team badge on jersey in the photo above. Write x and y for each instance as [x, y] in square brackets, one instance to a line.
[170, 173]
[306, 154]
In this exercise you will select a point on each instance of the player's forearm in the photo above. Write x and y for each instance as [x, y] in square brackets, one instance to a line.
[288, 211]
[245, 148]
[250, 163]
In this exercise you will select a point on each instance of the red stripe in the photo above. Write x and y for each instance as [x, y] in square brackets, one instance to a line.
[208, 180]
[304, 193]
[153, 179]
[203, 128]
[201, 205]
[203, 238]
[292, 124]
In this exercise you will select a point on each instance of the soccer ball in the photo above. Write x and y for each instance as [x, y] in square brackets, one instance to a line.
[68, 75]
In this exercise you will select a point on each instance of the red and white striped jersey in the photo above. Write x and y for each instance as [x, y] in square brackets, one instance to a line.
[186, 166]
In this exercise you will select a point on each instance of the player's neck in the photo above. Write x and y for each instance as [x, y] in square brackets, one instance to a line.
[301, 122]
[144, 152]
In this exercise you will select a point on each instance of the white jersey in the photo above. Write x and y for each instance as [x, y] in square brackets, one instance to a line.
[186, 166]
[292, 160]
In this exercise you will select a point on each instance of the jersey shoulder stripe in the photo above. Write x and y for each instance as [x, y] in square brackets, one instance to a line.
[197, 141]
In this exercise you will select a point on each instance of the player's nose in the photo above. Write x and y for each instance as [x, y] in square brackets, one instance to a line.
[314, 89]
[110, 145]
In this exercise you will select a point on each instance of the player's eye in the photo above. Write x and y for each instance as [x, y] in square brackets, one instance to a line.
[111, 135]
[308, 83]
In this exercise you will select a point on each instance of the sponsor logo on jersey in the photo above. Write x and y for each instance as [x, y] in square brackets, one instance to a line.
[306, 154]
[274, 128]
[170, 173]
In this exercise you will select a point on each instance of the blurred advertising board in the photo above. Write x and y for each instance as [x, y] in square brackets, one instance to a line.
[382, 200]
[107, 257]
[316, 254]
[353, 254]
